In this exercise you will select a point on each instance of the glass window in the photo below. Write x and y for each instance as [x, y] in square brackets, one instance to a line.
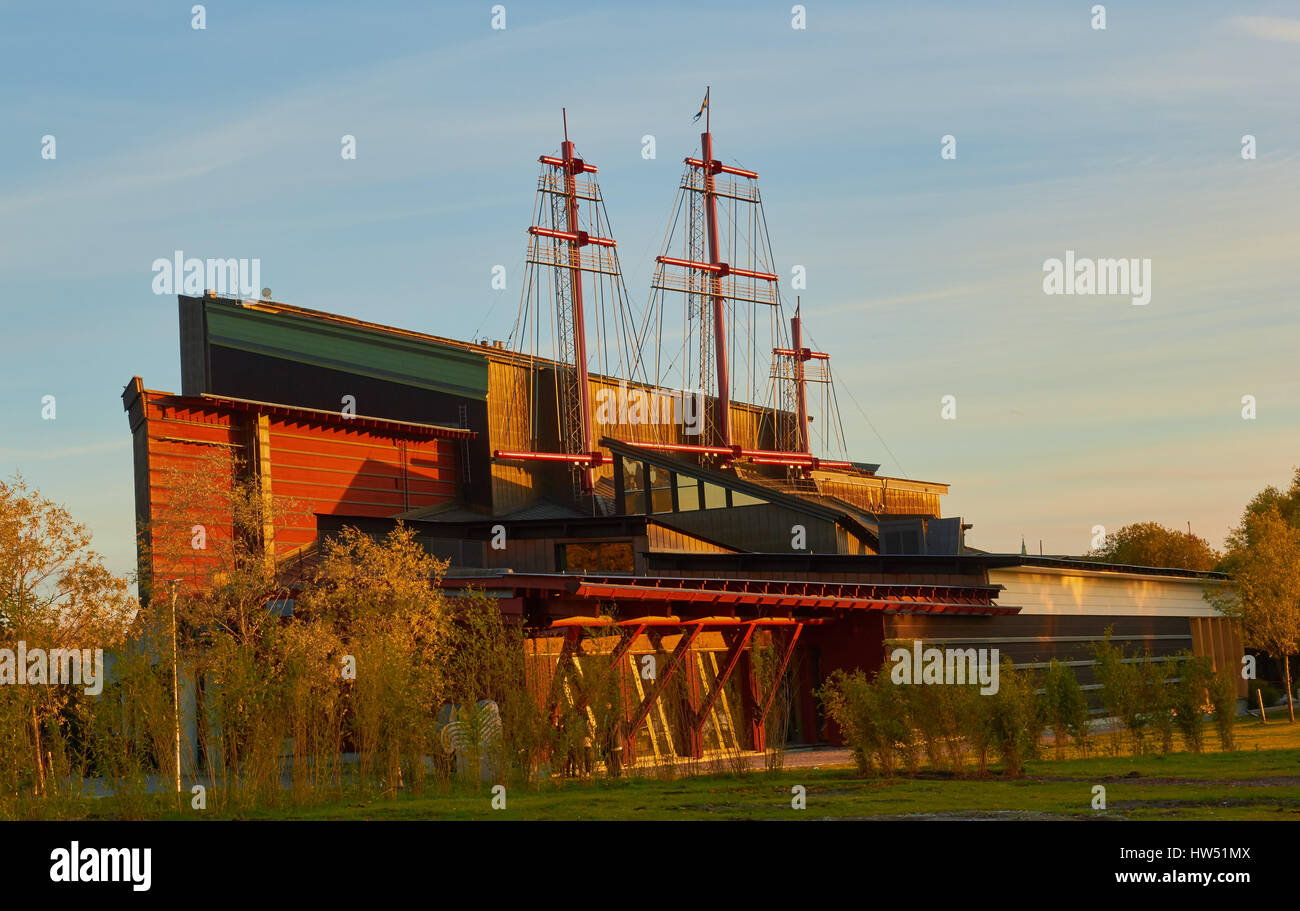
[744, 499]
[715, 497]
[633, 486]
[597, 557]
[688, 493]
[661, 491]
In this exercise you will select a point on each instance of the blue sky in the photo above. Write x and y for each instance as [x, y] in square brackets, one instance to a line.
[924, 274]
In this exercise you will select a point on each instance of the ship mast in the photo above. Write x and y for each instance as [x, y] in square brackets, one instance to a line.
[581, 397]
[712, 287]
[561, 248]
[715, 279]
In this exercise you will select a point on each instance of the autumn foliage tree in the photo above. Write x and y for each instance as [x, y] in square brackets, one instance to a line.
[55, 592]
[1152, 544]
[1263, 560]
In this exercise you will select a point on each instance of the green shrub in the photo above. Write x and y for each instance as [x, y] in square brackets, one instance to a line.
[1223, 696]
[1014, 718]
[1158, 701]
[1188, 699]
[1270, 693]
[955, 705]
[873, 716]
[1121, 693]
[1065, 707]
[925, 716]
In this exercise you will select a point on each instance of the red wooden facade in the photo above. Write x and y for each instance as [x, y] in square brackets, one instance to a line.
[190, 452]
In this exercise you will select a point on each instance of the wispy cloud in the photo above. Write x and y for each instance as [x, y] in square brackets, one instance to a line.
[1270, 28]
[62, 452]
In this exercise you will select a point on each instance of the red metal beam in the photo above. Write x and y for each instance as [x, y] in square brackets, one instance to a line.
[665, 675]
[801, 463]
[592, 459]
[757, 456]
[615, 656]
[573, 166]
[717, 167]
[724, 674]
[766, 705]
[721, 270]
[581, 238]
[571, 638]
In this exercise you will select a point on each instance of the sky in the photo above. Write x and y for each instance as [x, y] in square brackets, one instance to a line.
[924, 272]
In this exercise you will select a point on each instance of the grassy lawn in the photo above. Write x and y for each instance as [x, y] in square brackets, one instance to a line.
[1260, 780]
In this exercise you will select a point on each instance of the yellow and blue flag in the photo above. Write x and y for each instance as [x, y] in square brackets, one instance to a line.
[703, 106]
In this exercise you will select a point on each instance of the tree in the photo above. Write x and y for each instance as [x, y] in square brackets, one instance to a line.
[1264, 594]
[1151, 544]
[1065, 707]
[1287, 503]
[53, 587]
[55, 593]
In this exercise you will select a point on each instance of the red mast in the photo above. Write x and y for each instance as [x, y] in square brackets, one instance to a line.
[718, 270]
[715, 279]
[572, 167]
[800, 393]
[556, 244]
[791, 364]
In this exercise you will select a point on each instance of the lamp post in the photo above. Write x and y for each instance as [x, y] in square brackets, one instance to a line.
[176, 700]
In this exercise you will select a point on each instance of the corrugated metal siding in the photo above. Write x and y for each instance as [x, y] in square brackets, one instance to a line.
[1032, 641]
[1038, 591]
[1220, 639]
[514, 484]
[671, 540]
[764, 528]
[337, 470]
[315, 467]
[883, 495]
[184, 440]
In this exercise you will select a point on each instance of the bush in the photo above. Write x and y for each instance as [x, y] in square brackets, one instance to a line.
[873, 716]
[1223, 696]
[1158, 702]
[1014, 719]
[954, 708]
[1065, 707]
[925, 715]
[1122, 693]
[1188, 699]
[1271, 694]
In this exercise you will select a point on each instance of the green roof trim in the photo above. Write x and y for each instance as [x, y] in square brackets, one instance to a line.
[356, 349]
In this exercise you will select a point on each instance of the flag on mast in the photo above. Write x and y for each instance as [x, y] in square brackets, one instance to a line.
[703, 107]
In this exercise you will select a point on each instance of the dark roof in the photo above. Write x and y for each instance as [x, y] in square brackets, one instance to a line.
[708, 595]
[135, 393]
[899, 563]
[481, 528]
